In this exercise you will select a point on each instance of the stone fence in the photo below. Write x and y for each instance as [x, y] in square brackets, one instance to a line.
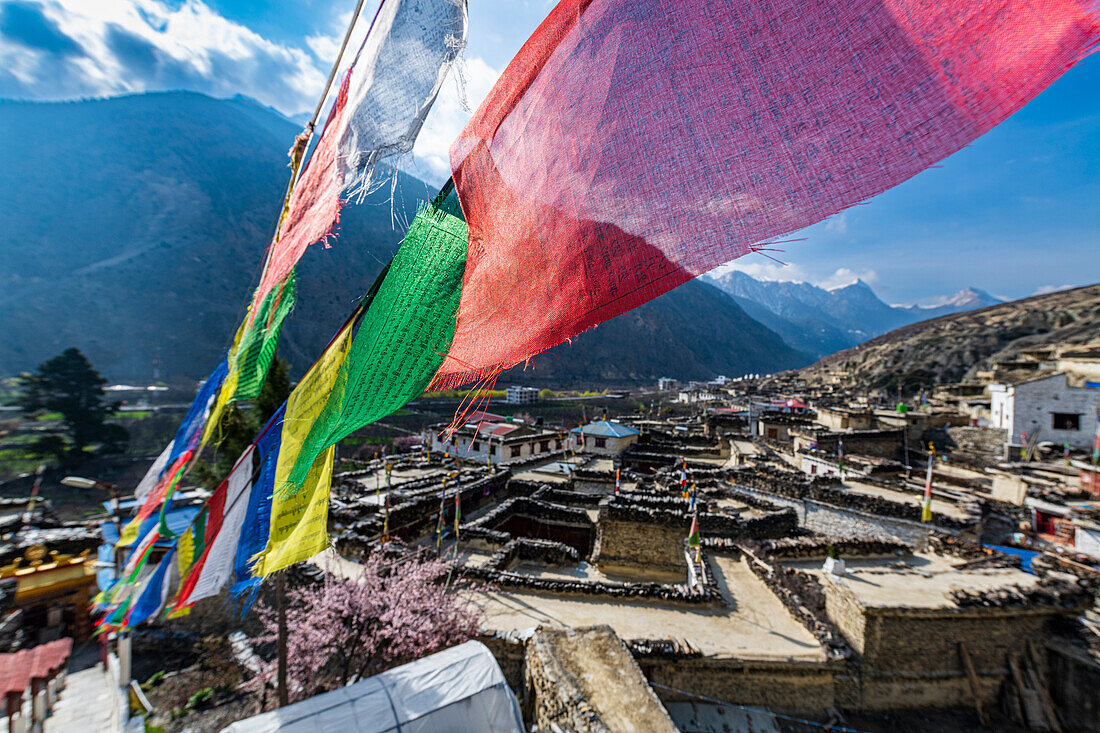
[673, 512]
[534, 550]
[611, 590]
[818, 546]
[481, 533]
[776, 482]
[1072, 596]
[802, 594]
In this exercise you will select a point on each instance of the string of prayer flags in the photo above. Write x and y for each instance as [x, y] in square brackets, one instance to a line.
[694, 538]
[192, 428]
[179, 454]
[152, 476]
[153, 594]
[631, 145]
[1096, 441]
[383, 101]
[926, 504]
[458, 511]
[211, 572]
[159, 497]
[253, 354]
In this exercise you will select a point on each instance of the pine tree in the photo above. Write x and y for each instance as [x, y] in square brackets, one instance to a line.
[67, 384]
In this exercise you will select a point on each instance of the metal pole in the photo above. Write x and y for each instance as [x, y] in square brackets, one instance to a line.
[280, 600]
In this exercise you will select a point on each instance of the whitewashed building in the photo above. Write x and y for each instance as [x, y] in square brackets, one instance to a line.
[1049, 407]
[603, 437]
[517, 395]
[495, 439]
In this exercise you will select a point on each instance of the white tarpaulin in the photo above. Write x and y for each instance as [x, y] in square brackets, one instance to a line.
[459, 689]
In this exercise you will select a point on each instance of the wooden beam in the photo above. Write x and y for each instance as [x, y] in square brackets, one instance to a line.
[975, 688]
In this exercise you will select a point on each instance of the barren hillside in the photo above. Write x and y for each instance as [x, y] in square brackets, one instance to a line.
[949, 348]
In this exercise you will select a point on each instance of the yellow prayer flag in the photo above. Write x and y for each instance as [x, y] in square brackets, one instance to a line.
[299, 515]
[228, 389]
[299, 521]
[185, 551]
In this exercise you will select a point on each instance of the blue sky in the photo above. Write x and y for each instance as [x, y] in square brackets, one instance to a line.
[1016, 213]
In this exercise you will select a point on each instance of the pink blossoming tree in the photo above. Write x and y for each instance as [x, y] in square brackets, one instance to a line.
[344, 629]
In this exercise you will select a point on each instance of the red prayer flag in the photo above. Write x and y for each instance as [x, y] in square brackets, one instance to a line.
[634, 144]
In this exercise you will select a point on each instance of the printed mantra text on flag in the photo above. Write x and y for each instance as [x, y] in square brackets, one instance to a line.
[634, 144]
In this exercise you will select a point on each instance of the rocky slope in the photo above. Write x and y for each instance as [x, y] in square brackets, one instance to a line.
[950, 348]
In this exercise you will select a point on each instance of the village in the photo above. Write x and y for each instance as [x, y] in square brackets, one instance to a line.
[744, 552]
[583, 366]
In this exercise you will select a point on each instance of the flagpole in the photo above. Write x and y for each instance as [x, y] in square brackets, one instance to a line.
[301, 144]
[280, 601]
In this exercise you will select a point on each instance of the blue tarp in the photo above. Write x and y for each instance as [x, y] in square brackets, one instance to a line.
[177, 520]
[257, 523]
[105, 575]
[1024, 555]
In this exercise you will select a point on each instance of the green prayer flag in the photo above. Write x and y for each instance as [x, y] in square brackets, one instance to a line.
[404, 332]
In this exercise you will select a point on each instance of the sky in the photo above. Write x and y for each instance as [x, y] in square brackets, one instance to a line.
[1016, 213]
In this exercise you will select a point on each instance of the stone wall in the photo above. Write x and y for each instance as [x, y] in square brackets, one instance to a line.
[877, 443]
[553, 697]
[828, 492]
[509, 649]
[627, 542]
[817, 546]
[1074, 682]
[980, 441]
[801, 593]
[910, 658]
[785, 687]
[585, 680]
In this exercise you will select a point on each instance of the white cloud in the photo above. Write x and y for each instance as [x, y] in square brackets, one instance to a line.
[763, 269]
[1044, 289]
[146, 45]
[768, 270]
[837, 224]
[449, 116]
[844, 276]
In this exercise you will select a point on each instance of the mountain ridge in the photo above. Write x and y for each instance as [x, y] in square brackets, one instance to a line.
[823, 321]
[136, 226]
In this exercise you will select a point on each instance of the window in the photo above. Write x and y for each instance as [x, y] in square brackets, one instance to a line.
[773, 432]
[477, 445]
[601, 442]
[544, 446]
[1065, 421]
[515, 451]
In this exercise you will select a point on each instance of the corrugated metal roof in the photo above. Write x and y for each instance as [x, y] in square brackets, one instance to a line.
[607, 429]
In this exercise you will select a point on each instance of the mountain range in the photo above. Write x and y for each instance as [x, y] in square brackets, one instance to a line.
[134, 228]
[820, 322]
